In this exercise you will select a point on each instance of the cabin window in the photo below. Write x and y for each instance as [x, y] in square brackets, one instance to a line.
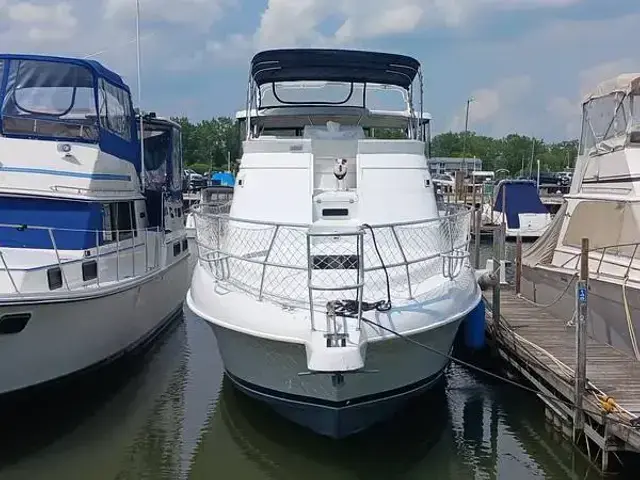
[115, 110]
[119, 221]
[89, 270]
[185, 245]
[176, 249]
[54, 278]
[49, 99]
[13, 323]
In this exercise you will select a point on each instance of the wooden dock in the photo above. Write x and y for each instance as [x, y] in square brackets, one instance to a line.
[543, 349]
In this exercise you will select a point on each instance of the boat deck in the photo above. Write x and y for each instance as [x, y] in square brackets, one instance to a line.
[543, 348]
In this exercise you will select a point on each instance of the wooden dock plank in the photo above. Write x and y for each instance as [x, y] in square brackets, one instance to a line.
[613, 372]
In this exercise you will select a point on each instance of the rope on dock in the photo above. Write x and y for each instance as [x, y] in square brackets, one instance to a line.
[607, 403]
[627, 313]
[555, 300]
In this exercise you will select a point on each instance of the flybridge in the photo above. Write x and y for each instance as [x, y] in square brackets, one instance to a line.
[359, 73]
[67, 100]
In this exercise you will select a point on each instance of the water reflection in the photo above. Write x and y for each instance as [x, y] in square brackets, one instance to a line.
[138, 420]
[172, 416]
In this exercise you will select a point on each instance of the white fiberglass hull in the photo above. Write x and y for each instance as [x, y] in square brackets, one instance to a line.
[271, 363]
[65, 336]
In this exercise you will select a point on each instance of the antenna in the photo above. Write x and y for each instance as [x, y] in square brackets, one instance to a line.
[143, 173]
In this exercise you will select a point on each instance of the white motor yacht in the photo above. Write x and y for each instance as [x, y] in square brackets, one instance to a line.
[333, 246]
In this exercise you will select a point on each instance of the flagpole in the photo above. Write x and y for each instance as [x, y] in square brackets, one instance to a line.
[143, 172]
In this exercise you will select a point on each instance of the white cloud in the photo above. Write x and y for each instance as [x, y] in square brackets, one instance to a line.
[492, 107]
[292, 23]
[568, 110]
[194, 13]
[41, 22]
[105, 30]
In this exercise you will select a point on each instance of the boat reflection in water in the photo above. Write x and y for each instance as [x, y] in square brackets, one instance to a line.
[171, 416]
[141, 420]
[474, 436]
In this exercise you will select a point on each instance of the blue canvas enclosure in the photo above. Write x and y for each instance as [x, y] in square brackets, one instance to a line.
[67, 99]
[73, 223]
[521, 196]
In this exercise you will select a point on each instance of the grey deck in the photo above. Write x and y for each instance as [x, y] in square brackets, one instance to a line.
[611, 371]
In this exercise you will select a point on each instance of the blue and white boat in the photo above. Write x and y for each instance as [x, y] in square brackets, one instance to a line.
[92, 264]
[524, 213]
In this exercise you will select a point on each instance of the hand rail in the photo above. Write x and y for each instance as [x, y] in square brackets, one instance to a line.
[604, 250]
[238, 251]
[105, 251]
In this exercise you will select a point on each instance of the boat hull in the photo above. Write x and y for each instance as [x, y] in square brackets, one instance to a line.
[276, 372]
[64, 337]
[606, 320]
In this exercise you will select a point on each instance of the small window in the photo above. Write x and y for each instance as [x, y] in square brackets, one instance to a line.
[115, 110]
[176, 249]
[118, 219]
[89, 270]
[185, 245]
[54, 277]
[13, 323]
[335, 212]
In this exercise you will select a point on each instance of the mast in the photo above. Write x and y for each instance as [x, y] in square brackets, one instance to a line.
[143, 172]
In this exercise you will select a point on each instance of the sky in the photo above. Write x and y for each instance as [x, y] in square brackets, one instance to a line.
[527, 63]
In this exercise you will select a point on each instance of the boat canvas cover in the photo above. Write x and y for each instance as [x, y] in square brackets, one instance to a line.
[56, 92]
[316, 64]
[541, 252]
[520, 197]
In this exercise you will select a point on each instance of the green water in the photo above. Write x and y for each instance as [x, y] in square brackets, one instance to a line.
[171, 415]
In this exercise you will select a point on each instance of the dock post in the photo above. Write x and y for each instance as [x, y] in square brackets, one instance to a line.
[473, 194]
[497, 257]
[518, 263]
[476, 239]
[581, 340]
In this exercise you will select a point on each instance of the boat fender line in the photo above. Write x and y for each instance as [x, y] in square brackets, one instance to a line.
[608, 401]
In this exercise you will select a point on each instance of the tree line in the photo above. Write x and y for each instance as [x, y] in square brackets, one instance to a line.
[207, 143]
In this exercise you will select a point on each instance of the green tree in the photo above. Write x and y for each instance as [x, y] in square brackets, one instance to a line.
[207, 142]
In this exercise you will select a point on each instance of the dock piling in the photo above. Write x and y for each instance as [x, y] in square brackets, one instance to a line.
[581, 340]
[477, 234]
[498, 240]
[518, 263]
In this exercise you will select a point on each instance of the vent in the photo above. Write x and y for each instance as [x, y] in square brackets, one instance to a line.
[54, 278]
[89, 270]
[13, 323]
[336, 262]
[335, 212]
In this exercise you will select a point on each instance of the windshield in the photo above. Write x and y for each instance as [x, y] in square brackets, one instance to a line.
[50, 99]
[606, 121]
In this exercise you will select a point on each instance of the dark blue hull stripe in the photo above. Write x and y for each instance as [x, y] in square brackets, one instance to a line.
[65, 173]
[319, 402]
